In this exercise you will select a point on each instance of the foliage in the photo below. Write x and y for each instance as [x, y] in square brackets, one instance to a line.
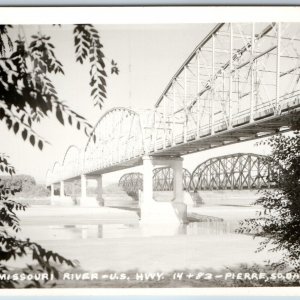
[37, 190]
[27, 94]
[25, 184]
[19, 182]
[12, 247]
[88, 46]
[279, 224]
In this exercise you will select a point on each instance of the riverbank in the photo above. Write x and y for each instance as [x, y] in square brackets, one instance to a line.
[104, 238]
[104, 241]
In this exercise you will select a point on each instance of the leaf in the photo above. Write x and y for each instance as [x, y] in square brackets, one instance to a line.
[55, 273]
[59, 115]
[40, 145]
[32, 140]
[16, 127]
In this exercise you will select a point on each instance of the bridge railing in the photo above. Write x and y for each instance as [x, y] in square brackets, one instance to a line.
[238, 74]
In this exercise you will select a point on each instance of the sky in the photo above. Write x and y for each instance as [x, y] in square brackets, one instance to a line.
[147, 57]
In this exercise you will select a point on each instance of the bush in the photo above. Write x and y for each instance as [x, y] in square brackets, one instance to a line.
[279, 224]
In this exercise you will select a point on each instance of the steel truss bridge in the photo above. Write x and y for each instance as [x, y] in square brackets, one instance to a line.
[236, 172]
[240, 83]
[163, 180]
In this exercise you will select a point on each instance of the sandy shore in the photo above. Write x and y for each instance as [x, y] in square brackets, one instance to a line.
[160, 253]
[145, 253]
[58, 215]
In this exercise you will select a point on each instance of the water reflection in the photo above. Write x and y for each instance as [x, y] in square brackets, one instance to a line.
[107, 231]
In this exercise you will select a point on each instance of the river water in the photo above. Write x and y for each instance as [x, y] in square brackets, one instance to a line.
[108, 231]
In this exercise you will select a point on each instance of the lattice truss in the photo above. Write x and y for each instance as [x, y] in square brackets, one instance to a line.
[131, 182]
[72, 166]
[72, 163]
[238, 171]
[163, 180]
[117, 137]
[239, 73]
[54, 174]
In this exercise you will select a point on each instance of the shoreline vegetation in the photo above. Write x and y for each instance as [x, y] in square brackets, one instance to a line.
[243, 275]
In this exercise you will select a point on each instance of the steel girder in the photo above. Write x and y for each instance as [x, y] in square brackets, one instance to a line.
[72, 163]
[71, 167]
[236, 172]
[163, 180]
[131, 182]
[116, 138]
[54, 174]
[237, 84]
[240, 73]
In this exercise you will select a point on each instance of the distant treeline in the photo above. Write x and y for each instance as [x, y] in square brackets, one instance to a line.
[25, 185]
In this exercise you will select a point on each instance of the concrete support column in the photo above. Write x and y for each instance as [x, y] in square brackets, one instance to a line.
[100, 191]
[83, 190]
[73, 193]
[52, 190]
[62, 189]
[52, 194]
[147, 179]
[85, 200]
[178, 185]
[158, 212]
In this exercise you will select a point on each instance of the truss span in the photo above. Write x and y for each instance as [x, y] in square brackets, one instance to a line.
[240, 83]
[72, 162]
[238, 171]
[240, 75]
[163, 180]
[54, 174]
[116, 138]
[131, 183]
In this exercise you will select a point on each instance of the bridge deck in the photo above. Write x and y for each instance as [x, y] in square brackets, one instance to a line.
[239, 84]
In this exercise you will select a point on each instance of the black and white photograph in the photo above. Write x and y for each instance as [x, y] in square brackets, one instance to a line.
[150, 155]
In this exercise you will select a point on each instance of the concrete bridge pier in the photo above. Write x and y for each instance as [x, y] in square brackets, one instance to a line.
[61, 199]
[73, 192]
[52, 194]
[62, 189]
[99, 197]
[85, 200]
[152, 211]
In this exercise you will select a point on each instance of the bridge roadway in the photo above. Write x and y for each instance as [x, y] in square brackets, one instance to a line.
[240, 83]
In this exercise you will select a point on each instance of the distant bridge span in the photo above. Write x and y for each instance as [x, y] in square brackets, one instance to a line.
[163, 180]
[240, 83]
[236, 171]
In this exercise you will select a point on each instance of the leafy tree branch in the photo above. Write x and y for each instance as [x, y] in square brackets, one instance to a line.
[279, 222]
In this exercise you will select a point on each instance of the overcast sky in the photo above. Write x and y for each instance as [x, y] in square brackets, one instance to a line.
[147, 56]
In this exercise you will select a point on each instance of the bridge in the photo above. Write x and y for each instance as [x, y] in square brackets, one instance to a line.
[240, 83]
[163, 180]
[236, 171]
